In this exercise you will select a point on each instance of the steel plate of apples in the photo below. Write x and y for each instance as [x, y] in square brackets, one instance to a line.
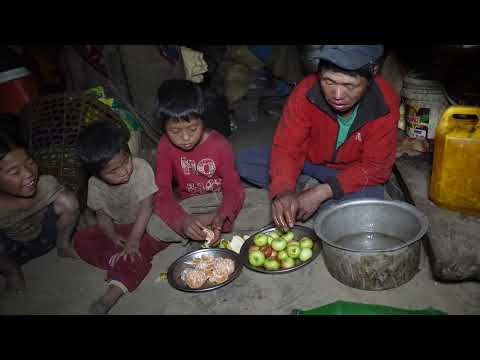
[272, 251]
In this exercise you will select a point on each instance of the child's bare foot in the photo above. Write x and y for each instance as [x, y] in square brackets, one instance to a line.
[103, 305]
[68, 252]
[99, 307]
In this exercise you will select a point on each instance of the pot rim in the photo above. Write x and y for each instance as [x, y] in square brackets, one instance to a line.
[422, 218]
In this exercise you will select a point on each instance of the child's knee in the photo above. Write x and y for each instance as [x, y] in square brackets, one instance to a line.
[67, 204]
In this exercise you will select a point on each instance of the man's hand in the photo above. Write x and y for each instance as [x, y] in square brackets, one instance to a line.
[310, 200]
[192, 227]
[284, 210]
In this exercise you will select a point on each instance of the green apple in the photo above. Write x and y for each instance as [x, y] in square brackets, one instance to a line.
[271, 264]
[256, 258]
[282, 255]
[305, 254]
[279, 244]
[306, 242]
[289, 235]
[253, 248]
[288, 263]
[260, 240]
[293, 250]
[294, 242]
[269, 239]
[274, 234]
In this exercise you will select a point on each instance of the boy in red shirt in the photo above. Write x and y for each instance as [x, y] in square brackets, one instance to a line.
[198, 185]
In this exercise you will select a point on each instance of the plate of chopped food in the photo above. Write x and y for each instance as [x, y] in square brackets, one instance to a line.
[204, 270]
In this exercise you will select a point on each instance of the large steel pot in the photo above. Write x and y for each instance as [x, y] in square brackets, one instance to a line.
[371, 244]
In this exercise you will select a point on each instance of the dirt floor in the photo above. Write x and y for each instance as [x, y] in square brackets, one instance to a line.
[64, 286]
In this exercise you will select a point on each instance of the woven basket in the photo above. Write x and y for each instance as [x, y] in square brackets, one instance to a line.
[52, 125]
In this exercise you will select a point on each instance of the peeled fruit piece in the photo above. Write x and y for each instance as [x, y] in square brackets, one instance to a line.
[209, 235]
[288, 263]
[194, 278]
[305, 254]
[306, 242]
[253, 248]
[271, 264]
[260, 240]
[293, 251]
[279, 244]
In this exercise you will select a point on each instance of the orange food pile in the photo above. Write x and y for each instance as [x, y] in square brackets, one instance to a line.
[207, 268]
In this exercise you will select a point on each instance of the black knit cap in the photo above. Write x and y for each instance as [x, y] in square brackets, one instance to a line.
[351, 57]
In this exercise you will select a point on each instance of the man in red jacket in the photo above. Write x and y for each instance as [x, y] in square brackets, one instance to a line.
[338, 127]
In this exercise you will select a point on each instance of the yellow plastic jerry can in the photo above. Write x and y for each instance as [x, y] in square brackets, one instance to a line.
[455, 182]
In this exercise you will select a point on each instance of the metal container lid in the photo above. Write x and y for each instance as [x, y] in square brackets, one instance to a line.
[416, 80]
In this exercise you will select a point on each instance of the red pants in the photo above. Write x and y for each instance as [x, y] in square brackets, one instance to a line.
[93, 246]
